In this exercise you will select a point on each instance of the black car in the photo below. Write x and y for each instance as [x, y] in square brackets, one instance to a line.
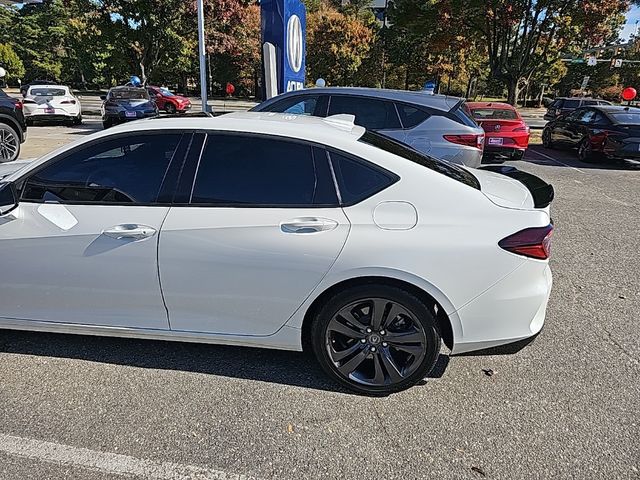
[13, 128]
[123, 104]
[600, 132]
[563, 105]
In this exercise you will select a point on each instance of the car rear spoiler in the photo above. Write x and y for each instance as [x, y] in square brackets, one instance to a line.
[541, 191]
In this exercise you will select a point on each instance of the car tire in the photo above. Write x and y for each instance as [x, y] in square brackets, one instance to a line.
[375, 354]
[78, 120]
[106, 124]
[546, 139]
[9, 143]
[170, 108]
[585, 154]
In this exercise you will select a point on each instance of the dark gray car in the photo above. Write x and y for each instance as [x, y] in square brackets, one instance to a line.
[437, 125]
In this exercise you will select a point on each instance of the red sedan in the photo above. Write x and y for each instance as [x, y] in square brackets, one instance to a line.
[506, 134]
[168, 101]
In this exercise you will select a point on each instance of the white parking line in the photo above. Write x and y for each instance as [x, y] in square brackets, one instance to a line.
[556, 161]
[109, 463]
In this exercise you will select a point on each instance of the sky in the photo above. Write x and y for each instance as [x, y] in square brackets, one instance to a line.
[630, 26]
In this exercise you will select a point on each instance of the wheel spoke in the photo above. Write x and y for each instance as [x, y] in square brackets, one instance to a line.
[405, 337]
[414, 350]
[378, 308]
[342, 354]
[347, 314]
[378, 377]
[394, 312]
[390, 366]
[349, 366]
[336, 326]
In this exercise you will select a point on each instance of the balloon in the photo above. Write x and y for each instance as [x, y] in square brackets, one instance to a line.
[629, 93]
[320, 83]
[3, 72]
[135, 81]
[230, 89]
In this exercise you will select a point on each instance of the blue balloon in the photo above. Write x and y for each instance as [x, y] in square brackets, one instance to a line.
[135, 81]
[321, 83]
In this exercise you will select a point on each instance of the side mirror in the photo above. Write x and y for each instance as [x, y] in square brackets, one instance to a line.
[103, 97]
[8, 197]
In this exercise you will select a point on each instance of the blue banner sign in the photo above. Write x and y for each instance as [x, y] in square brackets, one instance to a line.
[284, 25]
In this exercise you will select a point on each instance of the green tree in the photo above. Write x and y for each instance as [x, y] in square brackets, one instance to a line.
[10, 61]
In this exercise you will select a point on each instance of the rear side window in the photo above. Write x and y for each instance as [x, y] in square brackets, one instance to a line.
[358, 180]
[126, 170]
[587, 103]
[571, 104]
[411, 116]
[463, 114]
[241, 170]
[298, 105]
[370, 113]
[443, 167]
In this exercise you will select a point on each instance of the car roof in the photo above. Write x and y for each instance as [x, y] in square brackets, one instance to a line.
[329, 130]
[496, 105]
[439, 102]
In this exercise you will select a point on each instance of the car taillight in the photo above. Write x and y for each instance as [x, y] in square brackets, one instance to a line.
[18, 105]
[531, 242]
[67, 102]
[468, 140]
[28, 101]
[523, 128]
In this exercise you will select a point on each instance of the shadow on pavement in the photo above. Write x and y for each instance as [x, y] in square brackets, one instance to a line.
[567, 158]
[273, 366]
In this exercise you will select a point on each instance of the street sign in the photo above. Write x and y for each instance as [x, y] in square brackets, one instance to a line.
[616, 63]
[585, 82]
[592, 61]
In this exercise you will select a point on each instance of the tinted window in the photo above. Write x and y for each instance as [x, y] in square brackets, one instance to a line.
[411, 116]
[246, 170]
[494, 114]
[370, 113]
[48, 92]
[463, 114]
[587, 103]
[129, 94]
[575, 115]
[626, 118]
[304, 105]
[600, 119]
[124, 170]
[441, 166]
[358, 180]
[587, 116]
[570, 103]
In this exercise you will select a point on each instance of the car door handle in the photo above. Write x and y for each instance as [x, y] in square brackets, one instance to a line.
[130, 230]
[308, 225]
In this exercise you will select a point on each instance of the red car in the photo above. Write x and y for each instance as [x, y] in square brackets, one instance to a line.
[506, 134]
[168, 101]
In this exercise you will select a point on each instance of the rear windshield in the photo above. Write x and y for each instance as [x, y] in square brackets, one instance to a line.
[129, 94]
[441, 166]
[494, 114]
[48, 92]
[626, 118]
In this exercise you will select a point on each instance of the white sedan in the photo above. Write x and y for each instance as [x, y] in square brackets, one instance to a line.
[52, 103]
[276, 231]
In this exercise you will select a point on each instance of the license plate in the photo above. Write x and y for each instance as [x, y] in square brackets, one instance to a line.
[495, 141]
[49, 110]
[130, 114]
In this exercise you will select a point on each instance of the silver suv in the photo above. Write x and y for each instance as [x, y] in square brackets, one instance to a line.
[437, 125]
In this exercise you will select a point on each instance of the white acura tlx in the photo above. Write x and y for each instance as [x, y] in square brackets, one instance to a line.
[276, 231]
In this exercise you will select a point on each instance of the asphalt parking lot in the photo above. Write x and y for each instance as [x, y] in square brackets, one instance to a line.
[566, 407]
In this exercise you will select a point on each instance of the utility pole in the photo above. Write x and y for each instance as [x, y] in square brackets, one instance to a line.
[203, 57]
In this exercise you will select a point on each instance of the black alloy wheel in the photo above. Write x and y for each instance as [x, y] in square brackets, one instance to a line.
[376, 339]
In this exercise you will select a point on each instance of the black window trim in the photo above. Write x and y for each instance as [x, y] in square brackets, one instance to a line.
[187, 135]
[393, 178]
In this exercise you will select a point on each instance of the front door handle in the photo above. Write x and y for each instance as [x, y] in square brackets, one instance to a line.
[308, 225]
[130, 230]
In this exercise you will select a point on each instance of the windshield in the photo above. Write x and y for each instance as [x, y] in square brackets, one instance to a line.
[48, 92]
[441, 166]
[166, 92]
[129, 94]
[626, 118]
[494, 114]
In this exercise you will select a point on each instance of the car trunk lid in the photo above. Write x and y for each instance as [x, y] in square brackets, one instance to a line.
[509, 187]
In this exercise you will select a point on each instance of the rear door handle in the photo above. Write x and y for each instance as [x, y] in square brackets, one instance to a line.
[308, 225]
[130, 230]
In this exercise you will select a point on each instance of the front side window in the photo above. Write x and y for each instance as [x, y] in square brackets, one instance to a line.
[297, 105]
[125, 170]
[370, 113]
[244, 170]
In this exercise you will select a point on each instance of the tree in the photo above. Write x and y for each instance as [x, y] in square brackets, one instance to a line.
[11, 63]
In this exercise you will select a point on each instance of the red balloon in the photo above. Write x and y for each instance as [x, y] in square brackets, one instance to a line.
[230, 89]
[629, 93]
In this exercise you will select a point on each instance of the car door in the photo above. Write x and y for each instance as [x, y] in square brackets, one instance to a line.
[578, 128]
[252, 236]
[562, 128]
[371, 113]
[81, 247]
